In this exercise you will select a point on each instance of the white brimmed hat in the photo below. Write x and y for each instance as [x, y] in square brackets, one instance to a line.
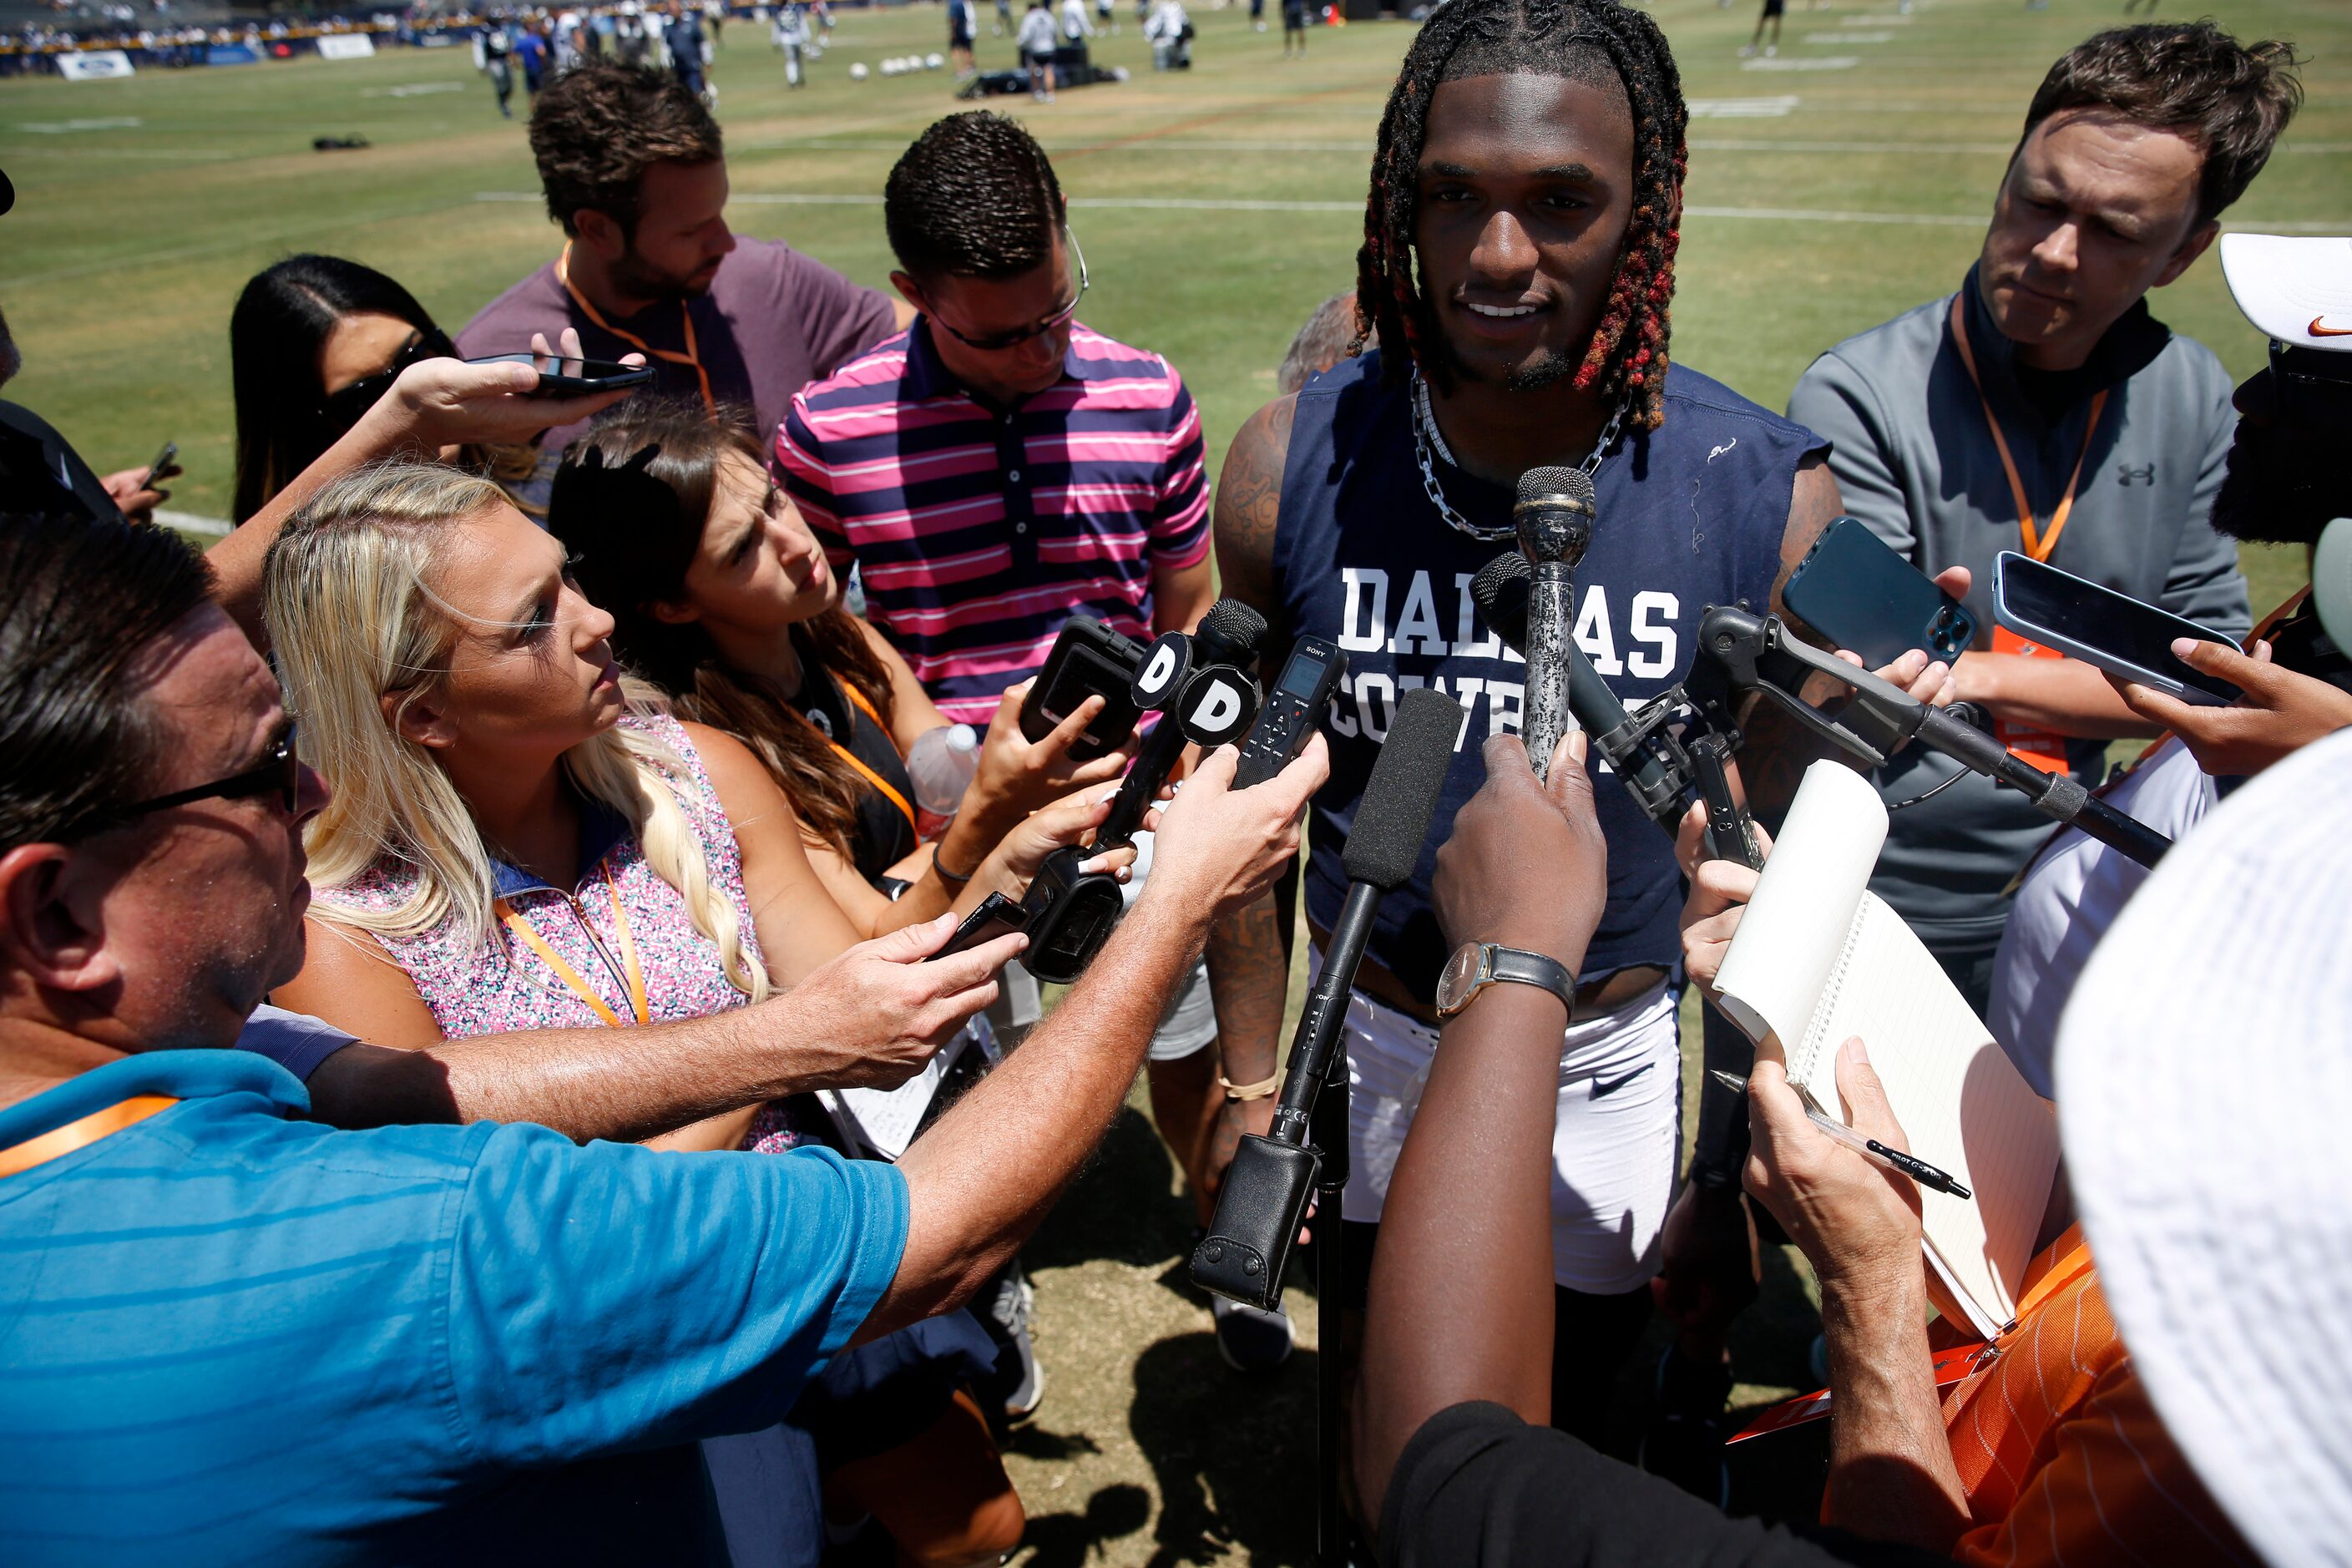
[2296, 289]
[2204, 1081]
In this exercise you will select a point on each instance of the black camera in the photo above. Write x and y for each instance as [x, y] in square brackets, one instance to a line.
[1089, 659]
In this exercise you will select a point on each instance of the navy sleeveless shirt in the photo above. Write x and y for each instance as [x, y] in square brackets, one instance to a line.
[1688, 515]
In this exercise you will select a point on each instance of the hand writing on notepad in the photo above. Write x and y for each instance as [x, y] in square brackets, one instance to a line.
[1857, 1223]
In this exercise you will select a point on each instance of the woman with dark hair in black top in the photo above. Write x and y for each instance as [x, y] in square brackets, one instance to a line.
[721, 597]
[313, 342]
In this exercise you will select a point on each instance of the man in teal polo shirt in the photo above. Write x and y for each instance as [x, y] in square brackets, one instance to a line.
[230, 1335]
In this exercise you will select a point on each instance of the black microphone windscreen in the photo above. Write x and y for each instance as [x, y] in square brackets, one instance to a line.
[1401, 797]
[1228, 634]
[1500, 592]
[1574, 483]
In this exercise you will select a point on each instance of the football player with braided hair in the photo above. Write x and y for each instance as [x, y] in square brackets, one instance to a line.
[1517, 267]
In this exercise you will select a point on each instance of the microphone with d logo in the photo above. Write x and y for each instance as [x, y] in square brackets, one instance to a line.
[1201, 688]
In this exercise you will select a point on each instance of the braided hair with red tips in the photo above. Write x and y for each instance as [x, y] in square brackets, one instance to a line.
[1583, 40]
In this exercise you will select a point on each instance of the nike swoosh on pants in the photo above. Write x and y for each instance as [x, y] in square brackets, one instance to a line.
[1603, 1087]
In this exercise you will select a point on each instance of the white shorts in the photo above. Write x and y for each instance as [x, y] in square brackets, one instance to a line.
[1614, 1147]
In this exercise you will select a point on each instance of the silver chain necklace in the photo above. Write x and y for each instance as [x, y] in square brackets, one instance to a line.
[1426, 435]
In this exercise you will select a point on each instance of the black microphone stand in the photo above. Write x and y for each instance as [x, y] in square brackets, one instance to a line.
[1245, 1254]
[1740, 639]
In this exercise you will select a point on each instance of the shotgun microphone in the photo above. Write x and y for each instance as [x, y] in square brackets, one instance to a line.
[1554, 520]
[1248, 1244]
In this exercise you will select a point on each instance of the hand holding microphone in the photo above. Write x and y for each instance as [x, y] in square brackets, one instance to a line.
[1483, 891]
[1201, 687]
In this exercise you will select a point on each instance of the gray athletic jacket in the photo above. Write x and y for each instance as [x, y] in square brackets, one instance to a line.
[1915, 460]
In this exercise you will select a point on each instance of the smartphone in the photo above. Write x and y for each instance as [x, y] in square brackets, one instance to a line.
[1855, 591]
[163, 459]
[561, 376]
[2105, 629]
[995, 916]
[1089, 659]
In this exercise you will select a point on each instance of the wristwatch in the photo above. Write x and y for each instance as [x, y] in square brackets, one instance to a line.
[1478, 965]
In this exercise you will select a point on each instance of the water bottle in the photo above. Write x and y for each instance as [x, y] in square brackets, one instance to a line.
[942, 763]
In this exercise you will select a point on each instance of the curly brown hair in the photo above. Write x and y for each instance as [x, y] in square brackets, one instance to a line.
[630, 501]
[597, 130]
[973, 196]
[2232, 99]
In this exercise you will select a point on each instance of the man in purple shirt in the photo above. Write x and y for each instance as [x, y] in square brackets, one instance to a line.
[634, 170]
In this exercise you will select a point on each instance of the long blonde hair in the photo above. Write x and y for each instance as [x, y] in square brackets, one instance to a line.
[352, 617]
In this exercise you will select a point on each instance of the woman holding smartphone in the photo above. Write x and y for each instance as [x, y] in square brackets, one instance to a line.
[515, 841]
[720, 597]
[314, 343]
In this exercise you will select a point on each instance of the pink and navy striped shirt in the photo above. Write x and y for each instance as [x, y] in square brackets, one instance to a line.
[978, 531]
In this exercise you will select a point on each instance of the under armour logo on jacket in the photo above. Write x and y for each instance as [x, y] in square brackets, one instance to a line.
[2126, 475]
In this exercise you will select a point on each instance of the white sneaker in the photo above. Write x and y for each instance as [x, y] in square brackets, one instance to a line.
[1747, 51]
[1771, 51]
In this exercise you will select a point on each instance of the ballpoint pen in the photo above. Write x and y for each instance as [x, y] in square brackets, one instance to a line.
[1870, 1148]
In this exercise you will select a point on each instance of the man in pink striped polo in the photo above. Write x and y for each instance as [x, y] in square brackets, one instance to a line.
[999, 468]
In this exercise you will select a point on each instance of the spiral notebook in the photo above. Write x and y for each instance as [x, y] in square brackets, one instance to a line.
[1819, 959]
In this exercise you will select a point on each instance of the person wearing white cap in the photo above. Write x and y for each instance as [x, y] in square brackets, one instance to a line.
[2285, 484]
[2204, 1125]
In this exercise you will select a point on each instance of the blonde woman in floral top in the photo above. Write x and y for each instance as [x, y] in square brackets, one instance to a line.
[512, 842]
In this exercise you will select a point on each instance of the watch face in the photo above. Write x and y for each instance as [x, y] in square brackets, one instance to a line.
[1461, 975]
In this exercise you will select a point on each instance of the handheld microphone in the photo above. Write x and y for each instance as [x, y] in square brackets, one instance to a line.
[1503, 593]
[1199, 686]
[1203, 696]
[1554, 519]
[1248, 1244]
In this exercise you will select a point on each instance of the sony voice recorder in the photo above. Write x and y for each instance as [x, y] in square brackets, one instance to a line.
[1293, 707]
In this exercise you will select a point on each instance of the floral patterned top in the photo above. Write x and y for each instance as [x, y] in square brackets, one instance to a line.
[503, 986]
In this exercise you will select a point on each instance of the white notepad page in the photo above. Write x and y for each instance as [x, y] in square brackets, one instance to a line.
[1818, 960]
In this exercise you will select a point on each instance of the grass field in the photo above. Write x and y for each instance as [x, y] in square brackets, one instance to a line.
[1829, 189]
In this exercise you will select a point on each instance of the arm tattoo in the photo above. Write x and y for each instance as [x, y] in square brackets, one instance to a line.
[1249, 504]
[1249, 983]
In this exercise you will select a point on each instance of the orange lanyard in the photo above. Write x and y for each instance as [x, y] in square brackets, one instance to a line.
[571, 976]
[876, 780]
[58, 1142]
[690, 358]
[2037, 544]
[2069, 1259]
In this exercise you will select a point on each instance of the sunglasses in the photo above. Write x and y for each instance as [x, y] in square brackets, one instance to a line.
[997, 341]
[341, 409]
[281, 771]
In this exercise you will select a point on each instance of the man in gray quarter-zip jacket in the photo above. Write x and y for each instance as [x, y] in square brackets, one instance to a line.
[2136, 141]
